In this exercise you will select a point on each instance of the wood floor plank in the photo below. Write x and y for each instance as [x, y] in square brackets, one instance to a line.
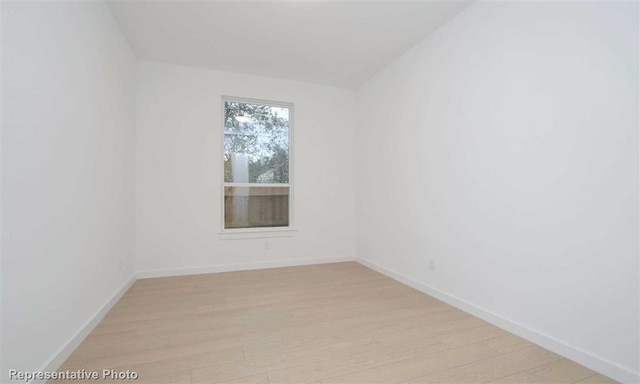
[596, 379]
[491, 368]
[174, 377]
[559, 371]
[335, 323]
[430, 330]
[471, 336]
[507, 343]
[253, 379]
[416, 366]
[90, 351]
[167, 353]
[280, 361]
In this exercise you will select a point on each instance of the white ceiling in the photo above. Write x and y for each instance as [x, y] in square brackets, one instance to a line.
[335, 43]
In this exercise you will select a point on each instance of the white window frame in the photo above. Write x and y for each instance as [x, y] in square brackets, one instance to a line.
[258, 232]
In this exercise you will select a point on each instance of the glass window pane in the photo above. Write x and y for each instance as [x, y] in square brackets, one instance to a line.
[250, 207]
[256, 143]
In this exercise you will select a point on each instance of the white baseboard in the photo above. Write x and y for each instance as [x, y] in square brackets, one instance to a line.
[75, 341]
[595, 363]
[240, 267]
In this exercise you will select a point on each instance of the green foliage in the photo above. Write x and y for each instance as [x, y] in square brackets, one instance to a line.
[261, 133]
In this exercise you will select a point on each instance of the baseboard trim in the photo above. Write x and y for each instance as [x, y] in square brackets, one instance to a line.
[240, 267]
[86, 329]
[595, 363]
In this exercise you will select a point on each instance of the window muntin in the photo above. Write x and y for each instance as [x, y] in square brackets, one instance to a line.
[256, 158]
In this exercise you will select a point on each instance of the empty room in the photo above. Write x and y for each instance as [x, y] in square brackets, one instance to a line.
[200, 192]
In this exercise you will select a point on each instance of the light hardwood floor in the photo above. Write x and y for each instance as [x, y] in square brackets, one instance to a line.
[331, 323]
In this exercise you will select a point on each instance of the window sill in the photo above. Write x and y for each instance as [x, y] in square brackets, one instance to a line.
[256, 233]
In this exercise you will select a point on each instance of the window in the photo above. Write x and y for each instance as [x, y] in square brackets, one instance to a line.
[257, 165]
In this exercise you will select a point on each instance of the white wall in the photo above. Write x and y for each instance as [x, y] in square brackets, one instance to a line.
[178, 172]
[505, 148]
[68, 95]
